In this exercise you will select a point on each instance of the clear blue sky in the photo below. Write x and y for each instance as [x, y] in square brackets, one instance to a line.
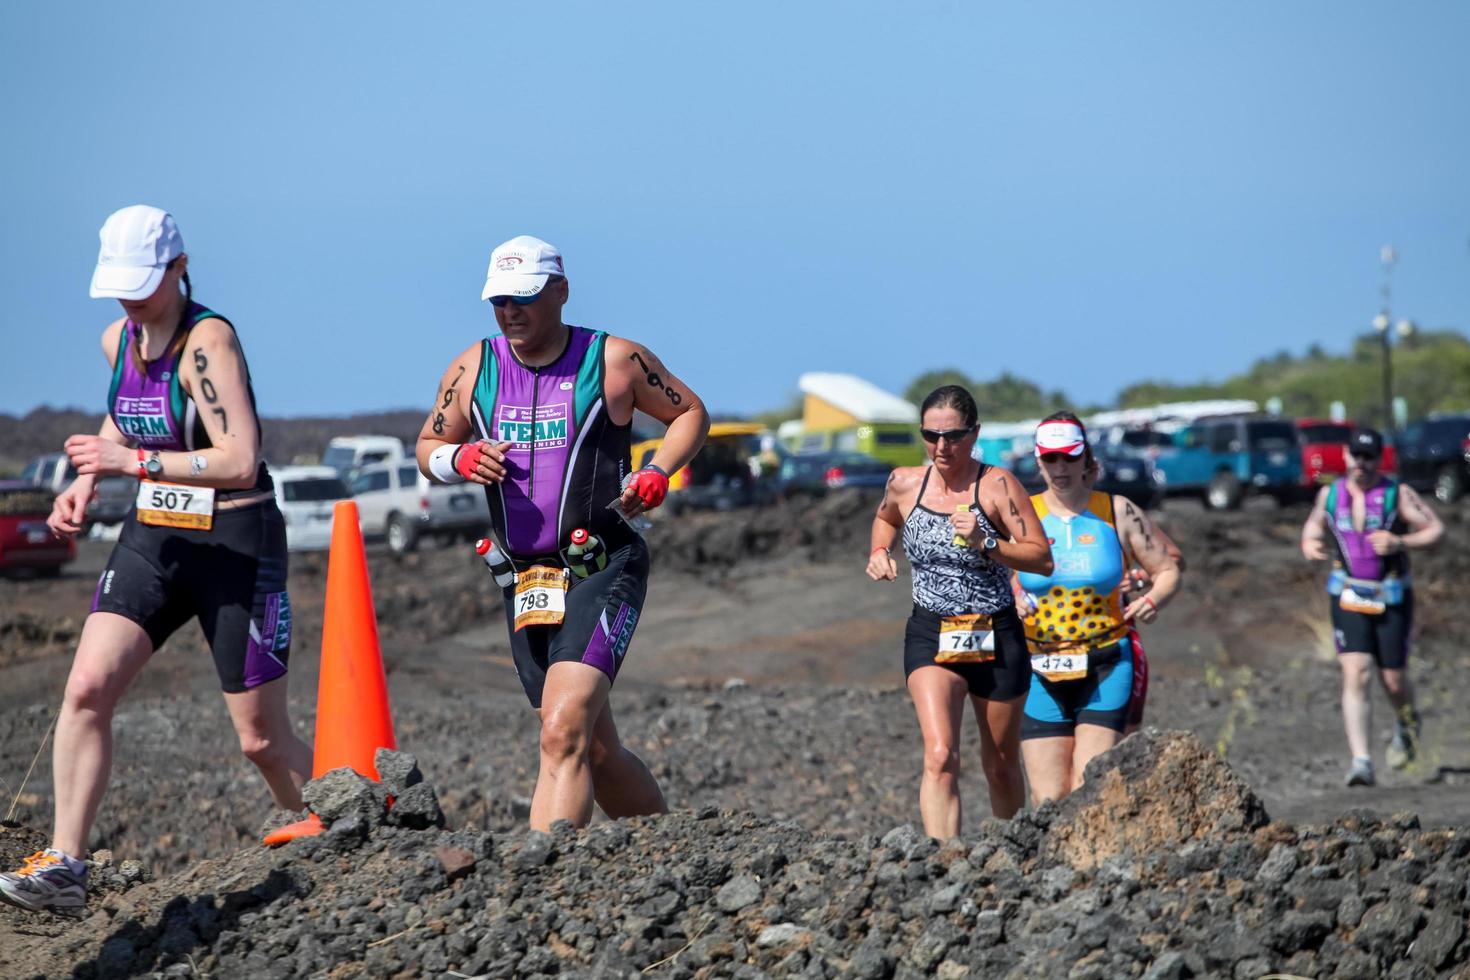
[1084, 194]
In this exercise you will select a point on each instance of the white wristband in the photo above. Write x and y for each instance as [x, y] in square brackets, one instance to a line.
[441, 464]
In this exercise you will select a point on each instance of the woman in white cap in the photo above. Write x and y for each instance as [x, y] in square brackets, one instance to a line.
[965, 526]
[1078, 628]
[205, 540]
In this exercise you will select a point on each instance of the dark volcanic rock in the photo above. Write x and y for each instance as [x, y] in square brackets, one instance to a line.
[417, 808]
[397, 770]
[341, 793]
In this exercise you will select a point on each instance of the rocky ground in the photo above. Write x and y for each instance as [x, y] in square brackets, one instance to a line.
[764, 689]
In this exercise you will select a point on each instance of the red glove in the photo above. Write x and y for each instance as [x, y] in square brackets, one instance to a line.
[467, 460]
[651, 485]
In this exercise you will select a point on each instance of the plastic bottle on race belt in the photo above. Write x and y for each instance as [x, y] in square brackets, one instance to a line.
[497, 562]
[587, 553]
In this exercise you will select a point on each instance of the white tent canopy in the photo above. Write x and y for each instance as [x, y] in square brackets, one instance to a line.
[861, 399]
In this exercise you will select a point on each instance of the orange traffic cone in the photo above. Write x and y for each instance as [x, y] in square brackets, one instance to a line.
[353, 720]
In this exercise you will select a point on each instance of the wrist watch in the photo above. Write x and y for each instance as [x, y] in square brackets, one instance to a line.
[154, 467]
[989, 543]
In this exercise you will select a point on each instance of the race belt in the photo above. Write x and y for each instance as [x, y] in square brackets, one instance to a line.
[174, 505]
[1364, 595]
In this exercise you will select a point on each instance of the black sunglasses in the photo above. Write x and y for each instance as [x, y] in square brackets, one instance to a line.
[952, 435]
[1365, 457]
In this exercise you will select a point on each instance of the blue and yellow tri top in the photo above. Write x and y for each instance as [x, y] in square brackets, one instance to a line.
[1079, 606]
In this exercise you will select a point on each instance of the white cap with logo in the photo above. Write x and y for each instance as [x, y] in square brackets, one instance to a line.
[520, 267]
[137, 243]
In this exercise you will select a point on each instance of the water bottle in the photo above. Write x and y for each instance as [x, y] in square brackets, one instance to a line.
[495, 560]
[586, 553]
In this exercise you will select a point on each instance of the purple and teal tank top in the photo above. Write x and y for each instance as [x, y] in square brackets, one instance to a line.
[1380, 513]
[152, 408]
[567, 459]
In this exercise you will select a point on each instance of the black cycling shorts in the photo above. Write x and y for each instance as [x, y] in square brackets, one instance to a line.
[1002, 679]
[602, 612]
[1385, 636]
[233, 577]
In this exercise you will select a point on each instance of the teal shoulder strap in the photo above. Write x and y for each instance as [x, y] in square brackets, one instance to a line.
[487, 387]
[117, 367]
[1331, 499]
[1390, 502]
[590, 376]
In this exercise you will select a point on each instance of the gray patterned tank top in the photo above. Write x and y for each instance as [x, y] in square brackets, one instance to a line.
[952, 580]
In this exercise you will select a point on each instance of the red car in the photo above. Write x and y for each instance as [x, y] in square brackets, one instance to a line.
[25, 540]
[1324, 451]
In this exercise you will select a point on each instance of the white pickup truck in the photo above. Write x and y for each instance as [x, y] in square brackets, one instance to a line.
[397, 502]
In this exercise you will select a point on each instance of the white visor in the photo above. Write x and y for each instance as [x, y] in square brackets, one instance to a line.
[1060, 437]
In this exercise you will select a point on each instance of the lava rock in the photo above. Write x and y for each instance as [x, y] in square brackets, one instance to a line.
[456, 862]
[1152, 793]
[1441, 934]
[738, 893]
[341, 793]
[416, 808]
[397, 770]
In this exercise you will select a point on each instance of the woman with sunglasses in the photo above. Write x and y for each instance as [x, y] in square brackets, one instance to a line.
[1371, 521]
[1078, 628]
[205, 540]
[965, 526]
[541, 417]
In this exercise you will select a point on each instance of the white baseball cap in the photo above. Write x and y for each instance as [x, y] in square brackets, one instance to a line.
[520, 267]
[1060, 437]
[137, 243]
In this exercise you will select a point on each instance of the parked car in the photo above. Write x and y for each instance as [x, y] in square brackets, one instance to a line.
[897, 443]
[25, 540]
[721, 475]
[1125, 473]
[813, 474]
[348, 454]
[397, 502]
[1324, 451]
[306, 496]
[115, 494]
[1434, 453]
[1221, 459]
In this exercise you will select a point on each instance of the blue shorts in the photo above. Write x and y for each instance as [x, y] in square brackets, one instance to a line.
[1054, 709]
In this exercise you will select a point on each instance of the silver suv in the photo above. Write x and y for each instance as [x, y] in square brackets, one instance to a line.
[115, 494]
[397, 502]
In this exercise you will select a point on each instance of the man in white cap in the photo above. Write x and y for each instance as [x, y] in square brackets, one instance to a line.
[541, 416]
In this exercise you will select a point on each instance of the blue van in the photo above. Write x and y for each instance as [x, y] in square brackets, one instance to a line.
[1223, 459]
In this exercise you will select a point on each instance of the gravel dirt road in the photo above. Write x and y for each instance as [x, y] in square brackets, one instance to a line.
[765, 678]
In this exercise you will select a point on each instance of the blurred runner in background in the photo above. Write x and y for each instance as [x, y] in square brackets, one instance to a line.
[1371, 521]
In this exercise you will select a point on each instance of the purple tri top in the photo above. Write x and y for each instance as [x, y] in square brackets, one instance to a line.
[152, 408]
[1355, 553]
[567, 460]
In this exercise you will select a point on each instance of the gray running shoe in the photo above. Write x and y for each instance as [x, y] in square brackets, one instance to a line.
[1361, 773]
[45, 883]
[1405, 743]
